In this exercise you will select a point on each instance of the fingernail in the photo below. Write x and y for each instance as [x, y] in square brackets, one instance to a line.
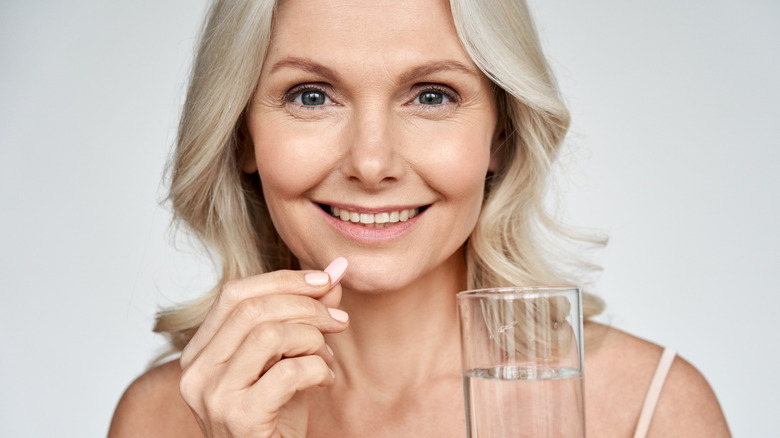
[336, 270]
[332, 374]
[338, 314]
[330, 350]
[316, 278]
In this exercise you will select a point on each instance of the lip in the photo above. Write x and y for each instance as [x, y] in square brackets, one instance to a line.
[363, 234]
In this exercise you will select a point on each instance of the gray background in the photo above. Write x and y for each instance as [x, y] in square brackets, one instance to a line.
[673, 152]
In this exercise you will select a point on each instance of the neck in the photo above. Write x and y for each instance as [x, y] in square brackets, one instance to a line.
[405, 337]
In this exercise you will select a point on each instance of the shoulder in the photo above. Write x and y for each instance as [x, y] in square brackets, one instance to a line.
[623, 366]
[688, 406]
[152, 406]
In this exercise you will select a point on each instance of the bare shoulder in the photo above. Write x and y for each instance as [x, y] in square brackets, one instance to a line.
[152, 406]
[618, 370]
[688, 406]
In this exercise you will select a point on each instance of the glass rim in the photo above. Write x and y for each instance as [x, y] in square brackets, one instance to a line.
[517, 291]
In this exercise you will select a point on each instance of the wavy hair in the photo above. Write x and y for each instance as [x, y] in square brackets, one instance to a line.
[224, 207]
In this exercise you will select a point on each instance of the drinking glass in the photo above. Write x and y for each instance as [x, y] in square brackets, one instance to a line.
[522, 362]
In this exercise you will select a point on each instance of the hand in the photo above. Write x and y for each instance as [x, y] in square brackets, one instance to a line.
[258, 348]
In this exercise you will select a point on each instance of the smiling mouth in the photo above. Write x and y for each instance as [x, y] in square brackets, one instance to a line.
[373, 220]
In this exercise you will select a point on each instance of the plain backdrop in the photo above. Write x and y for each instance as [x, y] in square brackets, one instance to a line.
[674, 153]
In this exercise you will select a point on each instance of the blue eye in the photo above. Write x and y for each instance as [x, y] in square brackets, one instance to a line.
[313, 98]
[431, 98]
[310, 97]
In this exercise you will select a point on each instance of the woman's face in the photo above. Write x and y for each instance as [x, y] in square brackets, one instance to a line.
[372, 133]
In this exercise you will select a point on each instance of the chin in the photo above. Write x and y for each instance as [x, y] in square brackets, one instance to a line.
[382, 275]
[376, 279]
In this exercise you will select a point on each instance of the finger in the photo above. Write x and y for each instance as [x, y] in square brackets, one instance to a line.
[315, 284]
[266, 345]
[309, 283]
[288, 376]
[332, 298]
[276, 308]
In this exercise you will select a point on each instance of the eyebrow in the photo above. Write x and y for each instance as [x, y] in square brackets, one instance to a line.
[437, 67]
[305, 65]
[408, 76]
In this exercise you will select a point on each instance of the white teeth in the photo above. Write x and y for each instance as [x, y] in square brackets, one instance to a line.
[381, 218]
[369, 219]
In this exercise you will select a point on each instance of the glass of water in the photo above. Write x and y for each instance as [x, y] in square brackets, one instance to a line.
[522, 362]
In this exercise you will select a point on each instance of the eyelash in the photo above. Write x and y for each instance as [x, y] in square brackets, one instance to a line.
[293, 94]
[446, 91]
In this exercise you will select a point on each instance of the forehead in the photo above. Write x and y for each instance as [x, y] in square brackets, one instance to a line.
[387, 32]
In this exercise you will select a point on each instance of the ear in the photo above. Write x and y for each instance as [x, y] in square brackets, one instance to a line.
[246, 149]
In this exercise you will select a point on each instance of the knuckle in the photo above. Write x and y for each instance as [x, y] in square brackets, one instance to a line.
[231, 292]
[315, 335]
[189, 387]
[287, 280]
[309, 306]
[214, 404]
[317, 364]
[215, 401]
[268, 335]
[251, 309]
[320, 370]
[289, 370]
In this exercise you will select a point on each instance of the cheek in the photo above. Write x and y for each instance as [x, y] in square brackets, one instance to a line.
[288, 164]
[456, 161]
[462, 169]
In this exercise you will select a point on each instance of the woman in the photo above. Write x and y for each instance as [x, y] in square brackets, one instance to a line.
[403, 147]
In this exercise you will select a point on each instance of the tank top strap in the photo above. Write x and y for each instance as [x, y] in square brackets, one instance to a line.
[654, 392]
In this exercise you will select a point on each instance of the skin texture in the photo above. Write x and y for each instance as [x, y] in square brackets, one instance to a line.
[403, 119]
[372, 146]
[152, 405]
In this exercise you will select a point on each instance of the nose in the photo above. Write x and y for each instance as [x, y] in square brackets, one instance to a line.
[373, 157]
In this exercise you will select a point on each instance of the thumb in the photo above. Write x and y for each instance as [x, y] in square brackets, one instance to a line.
[332, 298]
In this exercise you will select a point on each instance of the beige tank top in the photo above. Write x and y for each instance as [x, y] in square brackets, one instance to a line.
[651, 400]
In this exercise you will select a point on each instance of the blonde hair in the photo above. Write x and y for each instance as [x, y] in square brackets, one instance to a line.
[225, 209]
